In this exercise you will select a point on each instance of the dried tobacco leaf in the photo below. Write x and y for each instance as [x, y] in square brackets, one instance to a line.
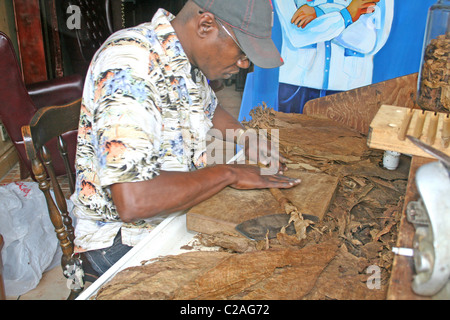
[270, 274]
[160, 279]
[434, 86]
[344, 279]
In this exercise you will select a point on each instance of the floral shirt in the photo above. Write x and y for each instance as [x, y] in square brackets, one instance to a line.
[144, 109]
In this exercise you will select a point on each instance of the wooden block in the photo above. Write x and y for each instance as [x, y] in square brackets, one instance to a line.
[357, 107]
[228, 208]
[387, 123]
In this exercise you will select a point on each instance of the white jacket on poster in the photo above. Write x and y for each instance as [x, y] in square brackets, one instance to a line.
[331, 52]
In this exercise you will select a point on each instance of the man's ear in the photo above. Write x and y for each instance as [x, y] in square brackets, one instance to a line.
[206, 24]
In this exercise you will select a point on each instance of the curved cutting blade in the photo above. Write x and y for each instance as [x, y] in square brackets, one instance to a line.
[257, 228]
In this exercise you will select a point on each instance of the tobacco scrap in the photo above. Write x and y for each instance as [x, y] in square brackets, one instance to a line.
[434, 87]
[230, 242]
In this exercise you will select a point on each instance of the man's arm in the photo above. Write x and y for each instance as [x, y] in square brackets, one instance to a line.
[358, 7]
[304, 15]
[370, 32]
[322, 28]
[223, 120]
[173, 191]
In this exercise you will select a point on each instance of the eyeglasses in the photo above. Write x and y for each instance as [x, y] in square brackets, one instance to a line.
[235, 41]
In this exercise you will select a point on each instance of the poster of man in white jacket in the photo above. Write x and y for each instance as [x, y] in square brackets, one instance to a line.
[328, 46]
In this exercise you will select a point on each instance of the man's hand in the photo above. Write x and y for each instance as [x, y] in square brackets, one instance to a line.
[304, 15]
[252, 177]
[172, 191]
[259, 150]
[358, 7]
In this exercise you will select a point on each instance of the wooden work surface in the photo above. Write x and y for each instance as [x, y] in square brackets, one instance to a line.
[402, 269]
[228, 208]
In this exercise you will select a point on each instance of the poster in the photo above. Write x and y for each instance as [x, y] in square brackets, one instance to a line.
[385, 43]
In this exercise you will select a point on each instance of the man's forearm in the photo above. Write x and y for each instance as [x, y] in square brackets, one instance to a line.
[169, 192]
[175, 191]
[223, 120]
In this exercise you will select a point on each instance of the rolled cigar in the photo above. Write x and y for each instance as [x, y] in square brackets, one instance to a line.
[419, 124]
[446, 131]
[432, 128]
[405, 124]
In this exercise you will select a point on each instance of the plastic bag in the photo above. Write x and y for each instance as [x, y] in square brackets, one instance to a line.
[31, 246]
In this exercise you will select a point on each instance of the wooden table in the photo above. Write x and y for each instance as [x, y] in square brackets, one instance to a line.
[403, 267]
[345, 107]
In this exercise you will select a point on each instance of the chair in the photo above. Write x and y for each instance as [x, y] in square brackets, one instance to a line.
[50, 123]
[18, 103]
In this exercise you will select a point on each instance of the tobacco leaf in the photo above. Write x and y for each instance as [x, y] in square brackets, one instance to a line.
[159, 279]
[434, 87]
[344, 279]
[229, 241]
[262, 275]
[269, 274]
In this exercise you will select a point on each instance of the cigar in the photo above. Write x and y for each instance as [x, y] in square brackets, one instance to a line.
[446, 131]
[419, 124]
[432, 128]
[405, 124]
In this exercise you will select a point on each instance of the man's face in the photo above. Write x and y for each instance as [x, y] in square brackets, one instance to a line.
[224, 57]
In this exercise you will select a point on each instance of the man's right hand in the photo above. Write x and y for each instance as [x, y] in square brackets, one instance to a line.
[172, 191]
[252, 177]
[358, 7]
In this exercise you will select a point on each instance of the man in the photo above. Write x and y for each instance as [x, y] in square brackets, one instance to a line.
[328, 46]
[145, 114]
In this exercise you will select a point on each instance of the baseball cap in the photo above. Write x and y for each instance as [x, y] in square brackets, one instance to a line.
[252, 22]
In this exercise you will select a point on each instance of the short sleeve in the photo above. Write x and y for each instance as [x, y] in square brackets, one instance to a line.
[127, 124]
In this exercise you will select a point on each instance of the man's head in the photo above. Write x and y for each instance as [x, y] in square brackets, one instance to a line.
[226, 35]
[251, 22]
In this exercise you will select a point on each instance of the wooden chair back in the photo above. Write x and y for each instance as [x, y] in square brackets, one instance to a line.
[48, 126]
[19, 103]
